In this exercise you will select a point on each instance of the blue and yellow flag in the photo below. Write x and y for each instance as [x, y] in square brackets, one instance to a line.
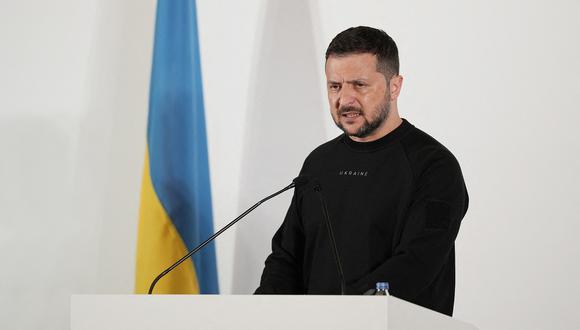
[176, 212]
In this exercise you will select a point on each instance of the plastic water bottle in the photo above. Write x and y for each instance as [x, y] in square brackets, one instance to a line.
[382, 289]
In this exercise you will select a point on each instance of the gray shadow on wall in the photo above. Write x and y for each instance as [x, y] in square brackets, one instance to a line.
[42, 246]
[284, 123]
[112, 140]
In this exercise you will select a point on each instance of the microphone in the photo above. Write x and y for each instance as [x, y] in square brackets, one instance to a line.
[318, 190]
[301, 180]
[296, 182]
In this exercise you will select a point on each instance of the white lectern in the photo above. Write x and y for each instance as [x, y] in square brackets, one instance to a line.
[231, 312]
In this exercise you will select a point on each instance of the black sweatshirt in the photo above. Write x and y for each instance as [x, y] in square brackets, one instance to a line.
[395, 205]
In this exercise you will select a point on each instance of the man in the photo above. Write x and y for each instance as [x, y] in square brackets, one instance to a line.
[395, 196]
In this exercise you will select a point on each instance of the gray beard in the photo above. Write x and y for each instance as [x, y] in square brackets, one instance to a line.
[368, 127]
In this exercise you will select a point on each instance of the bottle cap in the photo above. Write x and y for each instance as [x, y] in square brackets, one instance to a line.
[383, 286]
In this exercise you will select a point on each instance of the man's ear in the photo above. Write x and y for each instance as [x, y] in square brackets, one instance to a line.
[395, 85]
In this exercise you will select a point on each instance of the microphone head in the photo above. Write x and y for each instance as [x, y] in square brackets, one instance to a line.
[304, 179]
[317, 186]
[301, 180]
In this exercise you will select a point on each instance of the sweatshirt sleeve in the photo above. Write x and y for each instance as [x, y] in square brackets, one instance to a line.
[440, 201]
[283, 268]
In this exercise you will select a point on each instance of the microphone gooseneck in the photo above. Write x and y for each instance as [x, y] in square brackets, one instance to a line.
[297, 181]
[318, 189]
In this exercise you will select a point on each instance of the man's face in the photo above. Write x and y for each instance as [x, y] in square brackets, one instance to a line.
[357, 94]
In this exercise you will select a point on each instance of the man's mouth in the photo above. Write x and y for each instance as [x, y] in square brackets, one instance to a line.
[350, 114]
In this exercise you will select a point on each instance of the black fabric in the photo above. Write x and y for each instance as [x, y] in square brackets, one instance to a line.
[395, 205]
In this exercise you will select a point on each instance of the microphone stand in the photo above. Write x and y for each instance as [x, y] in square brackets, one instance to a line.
[318, 189]
[212, 237]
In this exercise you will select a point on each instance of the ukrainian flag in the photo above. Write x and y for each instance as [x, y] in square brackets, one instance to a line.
[176, 212]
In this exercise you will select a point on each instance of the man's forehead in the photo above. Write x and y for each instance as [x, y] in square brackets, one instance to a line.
[360, 63]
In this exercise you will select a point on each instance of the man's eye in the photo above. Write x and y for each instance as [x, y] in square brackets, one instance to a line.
[333, 87]
[360, 84]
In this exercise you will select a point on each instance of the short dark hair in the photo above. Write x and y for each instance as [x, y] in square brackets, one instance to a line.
[364, 39]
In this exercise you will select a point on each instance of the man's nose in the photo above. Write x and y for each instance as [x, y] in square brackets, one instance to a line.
[346, 97]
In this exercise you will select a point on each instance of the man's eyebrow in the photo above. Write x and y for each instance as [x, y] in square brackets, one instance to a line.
[354, 81]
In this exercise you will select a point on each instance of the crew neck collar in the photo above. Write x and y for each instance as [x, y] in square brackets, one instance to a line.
[381, 142]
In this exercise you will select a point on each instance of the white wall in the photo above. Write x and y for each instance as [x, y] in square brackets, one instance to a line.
[495, 81]
[74, 88]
